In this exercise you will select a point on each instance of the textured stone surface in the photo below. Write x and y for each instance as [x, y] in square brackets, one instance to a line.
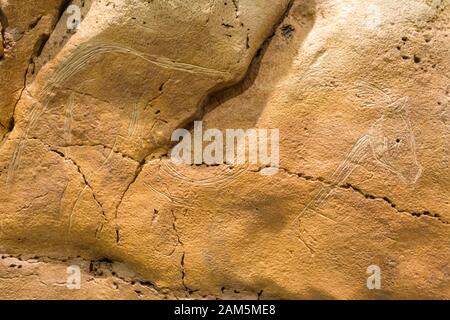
[25, 28]
[358, 89]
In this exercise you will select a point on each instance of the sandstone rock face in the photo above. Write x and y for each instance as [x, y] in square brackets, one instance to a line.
[359, 91]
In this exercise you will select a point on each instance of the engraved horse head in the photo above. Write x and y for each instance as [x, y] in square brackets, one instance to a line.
[391, 137]
[390, 142]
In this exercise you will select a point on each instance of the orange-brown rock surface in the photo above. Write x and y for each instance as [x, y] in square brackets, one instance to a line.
[358, 89]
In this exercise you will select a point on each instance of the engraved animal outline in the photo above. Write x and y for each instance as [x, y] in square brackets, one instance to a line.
[375, 143]
[74, 64]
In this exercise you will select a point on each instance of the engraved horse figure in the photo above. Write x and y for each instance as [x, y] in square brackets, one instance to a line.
[390, 142]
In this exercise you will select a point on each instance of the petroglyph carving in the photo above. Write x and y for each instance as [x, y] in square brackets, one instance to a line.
[390, 141]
